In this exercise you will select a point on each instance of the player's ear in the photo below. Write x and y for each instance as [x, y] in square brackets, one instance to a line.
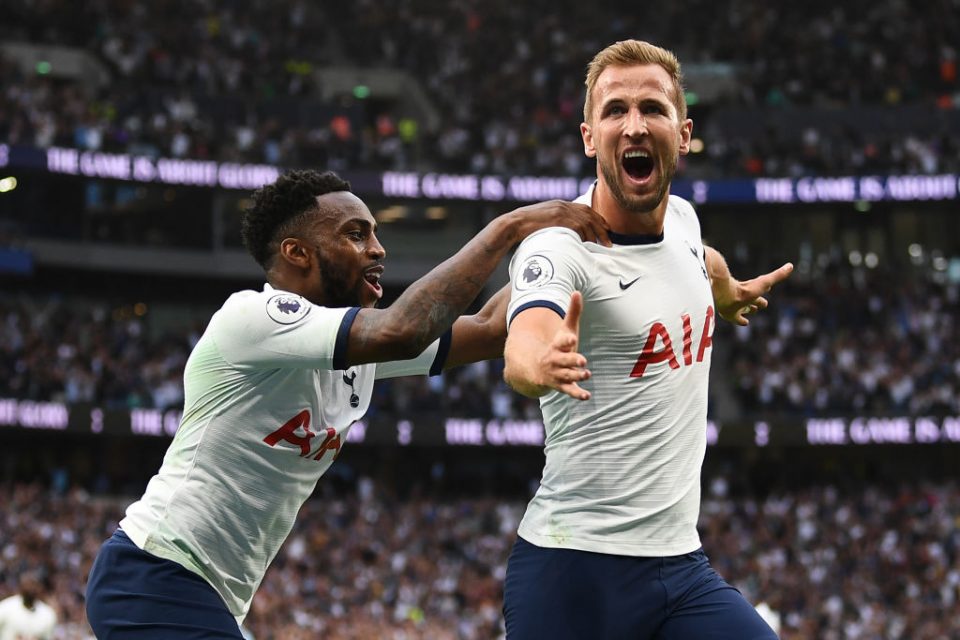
[587, 134]
[686, 134]
[295, 252]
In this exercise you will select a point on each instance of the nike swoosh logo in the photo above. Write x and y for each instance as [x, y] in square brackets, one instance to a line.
[626, 285]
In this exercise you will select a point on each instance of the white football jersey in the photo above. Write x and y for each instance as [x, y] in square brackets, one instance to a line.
[17, 621]
[267, 409]
[622, 472]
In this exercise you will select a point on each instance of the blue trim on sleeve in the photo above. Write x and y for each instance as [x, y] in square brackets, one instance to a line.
[539, 303]
[443, 350]
[343, 338]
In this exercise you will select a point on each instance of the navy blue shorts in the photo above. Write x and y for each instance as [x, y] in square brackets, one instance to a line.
[134, 595]
[564, 594]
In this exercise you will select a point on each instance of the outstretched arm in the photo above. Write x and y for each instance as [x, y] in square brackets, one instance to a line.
[734, 299]
[431, 304]
[541, 352]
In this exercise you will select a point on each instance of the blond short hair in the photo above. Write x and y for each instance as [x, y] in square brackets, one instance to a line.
[630, 53]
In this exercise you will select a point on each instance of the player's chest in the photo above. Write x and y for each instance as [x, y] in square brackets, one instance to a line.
[634, 290]
[650, 316]
[342, 396]
[310, 415]
[327, 399]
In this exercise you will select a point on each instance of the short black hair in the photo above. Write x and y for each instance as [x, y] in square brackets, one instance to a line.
[291, 195]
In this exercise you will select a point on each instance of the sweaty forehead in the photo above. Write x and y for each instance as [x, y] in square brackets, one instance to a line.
[645, 80]
[340, 206]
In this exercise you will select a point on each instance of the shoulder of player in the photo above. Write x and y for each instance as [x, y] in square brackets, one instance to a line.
[680, 206]
[252, 298]
[270, 306]
[684, 215]
[551, 237]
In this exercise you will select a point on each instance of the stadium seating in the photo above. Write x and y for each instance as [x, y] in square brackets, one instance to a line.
[107, 284]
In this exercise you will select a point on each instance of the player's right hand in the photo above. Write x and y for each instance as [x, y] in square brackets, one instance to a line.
[590, 226]
[562, 366]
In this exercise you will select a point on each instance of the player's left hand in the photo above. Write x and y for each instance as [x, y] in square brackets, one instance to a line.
[746, 297]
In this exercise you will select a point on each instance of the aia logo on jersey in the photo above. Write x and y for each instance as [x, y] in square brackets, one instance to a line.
[301, 422]
[287, 308]
[659, 345]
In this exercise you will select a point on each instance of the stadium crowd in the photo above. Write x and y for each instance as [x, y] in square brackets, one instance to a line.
[852, 341]
[189, 79]
[51, 350]
[838, 340]
[871, 563]
[816, 88]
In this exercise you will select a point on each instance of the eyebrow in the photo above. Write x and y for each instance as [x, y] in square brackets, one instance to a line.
[653, 95]
[361, 222]
[617, 100]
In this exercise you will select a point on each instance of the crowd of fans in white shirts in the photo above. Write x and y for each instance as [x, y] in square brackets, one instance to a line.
[875, 562]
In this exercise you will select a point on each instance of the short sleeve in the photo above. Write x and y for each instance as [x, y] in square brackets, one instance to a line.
[276, 330]
[545, 271]
[430, 362]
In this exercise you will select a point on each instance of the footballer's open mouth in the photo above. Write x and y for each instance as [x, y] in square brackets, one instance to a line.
[372, 276]
[638, 164]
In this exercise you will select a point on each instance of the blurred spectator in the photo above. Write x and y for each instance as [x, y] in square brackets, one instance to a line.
[25, 616]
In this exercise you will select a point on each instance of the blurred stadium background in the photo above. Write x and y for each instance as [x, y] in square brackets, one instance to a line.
[132, 133]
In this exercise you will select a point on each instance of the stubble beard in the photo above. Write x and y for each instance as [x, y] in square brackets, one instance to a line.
[638, 204]
[336, 284]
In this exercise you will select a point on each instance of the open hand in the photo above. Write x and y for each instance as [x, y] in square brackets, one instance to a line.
[562, 367]
[747, 297]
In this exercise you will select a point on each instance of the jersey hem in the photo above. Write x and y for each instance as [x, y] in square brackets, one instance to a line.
[141, 539]
[615, 549]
